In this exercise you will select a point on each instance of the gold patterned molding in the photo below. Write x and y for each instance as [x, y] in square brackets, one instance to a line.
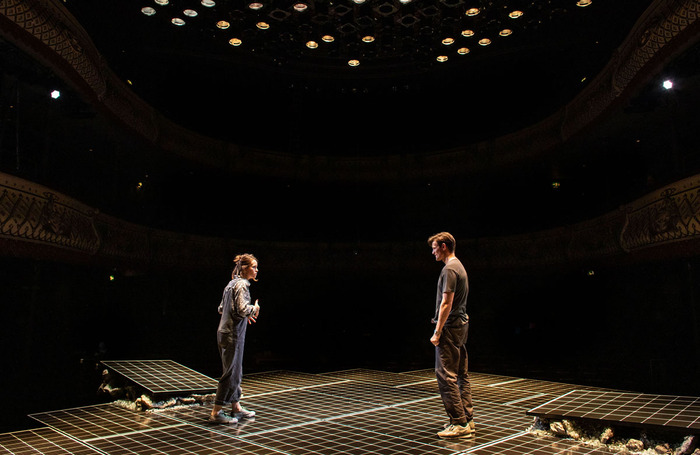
[36, 221]
[45, 30]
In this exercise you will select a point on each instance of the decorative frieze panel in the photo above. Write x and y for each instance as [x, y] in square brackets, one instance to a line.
[668, 215]
[34, 213]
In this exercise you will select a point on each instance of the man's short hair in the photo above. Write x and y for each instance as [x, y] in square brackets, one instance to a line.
[446, 238]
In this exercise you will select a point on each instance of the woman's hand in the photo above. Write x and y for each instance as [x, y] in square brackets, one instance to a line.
[254, 314]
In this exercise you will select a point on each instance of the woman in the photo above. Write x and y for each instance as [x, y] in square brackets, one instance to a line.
[236, 313]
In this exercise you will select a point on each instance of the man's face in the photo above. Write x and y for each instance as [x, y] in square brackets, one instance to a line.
[439, 251]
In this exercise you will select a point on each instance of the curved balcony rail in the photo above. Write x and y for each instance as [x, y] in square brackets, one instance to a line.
[38, 222]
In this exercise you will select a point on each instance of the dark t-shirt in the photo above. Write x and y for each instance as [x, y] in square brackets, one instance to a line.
[453, 278]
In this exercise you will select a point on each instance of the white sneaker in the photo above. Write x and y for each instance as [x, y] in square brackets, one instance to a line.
[457, 432]
[243, 414]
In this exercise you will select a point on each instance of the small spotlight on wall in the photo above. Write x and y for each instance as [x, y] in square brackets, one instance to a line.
[667, 84]
[55, 94]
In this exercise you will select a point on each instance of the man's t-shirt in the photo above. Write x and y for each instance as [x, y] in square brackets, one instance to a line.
[453, 278]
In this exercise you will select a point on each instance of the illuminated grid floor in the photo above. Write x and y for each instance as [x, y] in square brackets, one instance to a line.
[347, 412]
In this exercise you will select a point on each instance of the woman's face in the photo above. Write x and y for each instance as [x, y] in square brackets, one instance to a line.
[250, 273]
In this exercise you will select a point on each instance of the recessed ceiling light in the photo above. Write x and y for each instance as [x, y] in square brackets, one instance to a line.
[255, 5]
[300, 7]
[359, 2]
[405, 2]
[177, 21]
[148, 11]
[262, 25]
[484, 41]
[515, 14]
[328, 38]
[311, 44]
[467, 33]
[354, 62]
[448, 41]
[506, 32]
[162, 2]
[442, 58]
[584, 3]
[190, 13]
[235, 42]
[473, 11]
[463, 50]
[368, 39]
[223, 25]
[208, 3]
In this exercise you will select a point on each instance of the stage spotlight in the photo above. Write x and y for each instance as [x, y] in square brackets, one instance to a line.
[55, 94]
[667, 84]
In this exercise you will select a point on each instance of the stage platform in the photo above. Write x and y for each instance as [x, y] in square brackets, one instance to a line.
[344, 412]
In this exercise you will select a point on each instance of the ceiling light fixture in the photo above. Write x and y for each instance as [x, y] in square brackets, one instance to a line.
[162, 2]
[190, 13]
[467, 33]
[223, 25]
[667, 84]
[148, 11]
[262, 25]
[354, 62]
[55, 94]
[300, 7]
[177, 21]
[448, 41]
[312, 44]
[255, 5]
[473, 11]
[484, 41]
[584, 3]
[505, 32]
[328, 38]
[208, 3]
[515, 14]
[368, 39]
[235, 42]
[463, 51]
[442, 58]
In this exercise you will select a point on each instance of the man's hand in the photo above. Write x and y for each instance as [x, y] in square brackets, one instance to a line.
[435, 339]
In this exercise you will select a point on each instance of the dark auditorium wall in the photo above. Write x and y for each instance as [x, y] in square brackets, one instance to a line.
[632, 327]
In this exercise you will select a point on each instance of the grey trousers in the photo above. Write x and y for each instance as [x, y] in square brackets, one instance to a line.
[231, 351]
[451, 370]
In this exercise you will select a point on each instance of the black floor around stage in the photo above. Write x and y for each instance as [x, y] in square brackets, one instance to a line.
[345, 412]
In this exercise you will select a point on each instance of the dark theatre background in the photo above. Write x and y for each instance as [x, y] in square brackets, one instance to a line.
[534, 154]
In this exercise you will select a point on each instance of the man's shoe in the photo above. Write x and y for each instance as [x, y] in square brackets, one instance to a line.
[456, 432]
[471, 424]
[244, 414]
[222, 418]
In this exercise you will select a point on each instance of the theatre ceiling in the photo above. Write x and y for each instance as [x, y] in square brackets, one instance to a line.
[334, 102]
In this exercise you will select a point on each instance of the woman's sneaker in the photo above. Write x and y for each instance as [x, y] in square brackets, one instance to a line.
[244, 414]
[222, 418]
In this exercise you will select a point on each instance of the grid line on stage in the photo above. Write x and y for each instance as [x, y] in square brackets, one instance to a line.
[625, 408]
[163, 376]
[348, 412]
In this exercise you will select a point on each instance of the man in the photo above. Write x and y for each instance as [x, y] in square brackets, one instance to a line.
[450, 339]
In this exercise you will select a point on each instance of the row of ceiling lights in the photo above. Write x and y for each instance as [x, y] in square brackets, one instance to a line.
[312, 44]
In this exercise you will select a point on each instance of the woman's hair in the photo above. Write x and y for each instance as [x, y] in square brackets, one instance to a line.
[446, 238]
[242, 262]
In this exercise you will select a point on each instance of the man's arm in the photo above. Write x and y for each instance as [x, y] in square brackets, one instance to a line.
[445, 308]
